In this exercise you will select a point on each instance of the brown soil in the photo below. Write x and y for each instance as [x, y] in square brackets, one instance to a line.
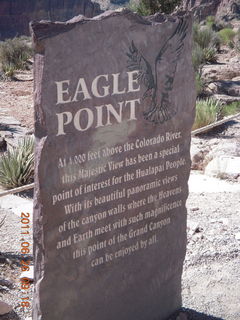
[16, 98]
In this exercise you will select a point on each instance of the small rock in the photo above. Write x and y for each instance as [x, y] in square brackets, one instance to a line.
[225, 99]
[6, 283]
[221, 72]
[198, 157]
[237, 236]
[194, 209]
[224, 167]
[227, 87]
[194, 228]
[236, 79]
[224, 221]
[3, 145]
[4, 308]
[2, 259]
[28, 274]
[227, 148]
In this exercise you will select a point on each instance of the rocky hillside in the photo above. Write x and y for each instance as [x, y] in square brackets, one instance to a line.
[224, 9]
[15, 15]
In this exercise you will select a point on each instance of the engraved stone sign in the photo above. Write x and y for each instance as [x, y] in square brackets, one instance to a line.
[114, 106]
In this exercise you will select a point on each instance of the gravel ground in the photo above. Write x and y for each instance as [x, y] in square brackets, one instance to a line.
[10, 265]
[16, 98]
[212, 266]
[211, 287]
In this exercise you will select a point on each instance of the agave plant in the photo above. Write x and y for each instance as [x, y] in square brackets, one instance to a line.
[17, 165]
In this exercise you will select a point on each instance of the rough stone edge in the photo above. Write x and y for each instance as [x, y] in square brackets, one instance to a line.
[47, 29]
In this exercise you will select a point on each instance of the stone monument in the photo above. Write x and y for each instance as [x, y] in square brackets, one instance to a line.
[114, 106]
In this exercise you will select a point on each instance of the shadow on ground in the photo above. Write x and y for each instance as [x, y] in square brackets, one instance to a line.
[11, 129]
[189, 314]
[10, 316]
[219, 131]
[14, 259]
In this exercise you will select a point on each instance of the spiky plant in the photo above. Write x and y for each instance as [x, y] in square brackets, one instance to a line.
[203, 36]
[200, 84]
[206, 112]
[227, 36]
[17, 165]
[231, 109]
[210, 55]
[14, 54]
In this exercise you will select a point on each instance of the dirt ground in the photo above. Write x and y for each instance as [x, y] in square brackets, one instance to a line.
[211, 278]
[16, 98]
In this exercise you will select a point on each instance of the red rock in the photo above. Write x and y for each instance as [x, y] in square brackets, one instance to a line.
[218, 8]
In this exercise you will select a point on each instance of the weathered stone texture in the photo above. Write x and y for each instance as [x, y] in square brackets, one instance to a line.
[219, 8]
[114, 106]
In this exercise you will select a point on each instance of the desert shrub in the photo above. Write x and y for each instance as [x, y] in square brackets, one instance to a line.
[210, 55]
[197, 57]
[149, 7]
[205, 46]
[17, 165]
[231, 109]
[202, 56]
[139, 7]
[210, 21]
[200, 84]
[206, 112]
[216, 41]
[8, 69]
[168, 6]
[227, 36]
[14, 54]
[203, 36]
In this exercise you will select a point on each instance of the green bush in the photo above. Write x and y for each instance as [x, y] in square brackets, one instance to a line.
[149, 7]
[231, 109]
[206, 112]
[197, 57]
[216, 42]
[17, 165]
[203, 36]
[14, 54]
[210, 55]
[210, 21]
[227, 36]
[202, 56]
[205, 47]
[199, 83]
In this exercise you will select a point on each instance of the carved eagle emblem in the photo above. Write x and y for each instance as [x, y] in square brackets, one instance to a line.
[159, 80]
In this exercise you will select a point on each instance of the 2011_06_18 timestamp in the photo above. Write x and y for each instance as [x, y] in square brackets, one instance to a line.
[25, 262]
